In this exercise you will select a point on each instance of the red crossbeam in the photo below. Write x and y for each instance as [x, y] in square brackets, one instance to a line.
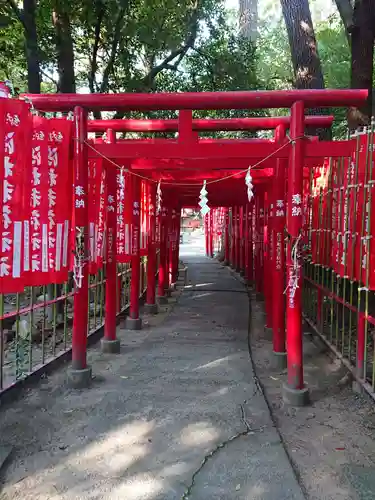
[207, 125]
[216, 150]
[200, 100]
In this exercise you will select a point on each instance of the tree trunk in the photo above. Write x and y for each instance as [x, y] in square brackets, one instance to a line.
[362, 64]
[346, 13]
[304, 50]
[31, 46]
[249, 19]
[64, 48]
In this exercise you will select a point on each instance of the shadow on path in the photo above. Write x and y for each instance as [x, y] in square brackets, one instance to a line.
[176, 415]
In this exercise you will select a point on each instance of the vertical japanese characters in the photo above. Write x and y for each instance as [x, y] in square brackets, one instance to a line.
[47, 227]
[15, 148]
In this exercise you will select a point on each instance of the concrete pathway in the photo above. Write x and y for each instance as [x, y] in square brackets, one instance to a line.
[177, 415]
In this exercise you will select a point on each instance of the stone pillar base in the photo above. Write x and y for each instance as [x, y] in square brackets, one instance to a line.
[279, 360]
[110, 346]
[162, 300]
[151, 308]
[357, 387]
[80, 379]
[133, 323]
[296, 397]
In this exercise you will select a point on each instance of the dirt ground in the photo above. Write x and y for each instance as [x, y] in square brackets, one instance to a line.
[331, 443]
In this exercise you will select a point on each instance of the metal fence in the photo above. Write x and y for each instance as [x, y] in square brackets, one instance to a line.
[339, 301]
[36, 325]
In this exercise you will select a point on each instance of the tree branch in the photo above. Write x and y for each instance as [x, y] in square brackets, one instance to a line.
[113, 53]
[177, 54]
[18, 12]
[48, 77]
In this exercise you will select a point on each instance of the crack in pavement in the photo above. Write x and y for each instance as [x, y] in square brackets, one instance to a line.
[249, 431]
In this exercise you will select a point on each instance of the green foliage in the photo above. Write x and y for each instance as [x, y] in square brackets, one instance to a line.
[135, 45]
[335, 56]
[12, 58]
[275, 70]
[190, 45]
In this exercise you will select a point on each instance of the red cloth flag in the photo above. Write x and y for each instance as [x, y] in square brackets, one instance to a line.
[15, 142]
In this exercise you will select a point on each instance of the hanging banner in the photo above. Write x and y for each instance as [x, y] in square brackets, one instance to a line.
[123, 216]
[151, 192]
[135, 216]
[315, 202]
[102, 221]
[365, 228]
[328, 196]
[336, 233]
[351, 207]
[50, 202]
[144, 219]
[95, 169]
[324, 224]
[38, 205]
[342, 219]
[59, 194]
[128, 216]
[173, 230]
[360, 246]
[368, 274]
[15, 146]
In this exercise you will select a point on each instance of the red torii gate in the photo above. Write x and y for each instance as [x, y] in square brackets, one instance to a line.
[185, 124]
[296, 152]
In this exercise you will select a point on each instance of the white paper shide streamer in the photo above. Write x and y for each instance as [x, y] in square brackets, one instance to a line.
[249, 184]
[158, 198]
[203, 201]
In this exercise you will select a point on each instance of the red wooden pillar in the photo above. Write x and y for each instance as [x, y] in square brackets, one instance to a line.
[232, 236]
[206, 233]
[251, 241]
[259, 231]
[133, 321]
[237, 243]
[256, 242]
[171, 221]
[173, 247]
[226, 237]
[211, 237]
[278, 279]
[246, 241]
[80, 374]
[242, 240]
[163, 272]
[109, 342]
[235, 240]
[168, 232]
[176, 253]
[150, 305]
[295, 391]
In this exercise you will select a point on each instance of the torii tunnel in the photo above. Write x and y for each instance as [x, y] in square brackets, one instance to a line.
[292, 240]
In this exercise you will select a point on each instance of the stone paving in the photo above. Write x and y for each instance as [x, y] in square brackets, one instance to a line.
[177, 415]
